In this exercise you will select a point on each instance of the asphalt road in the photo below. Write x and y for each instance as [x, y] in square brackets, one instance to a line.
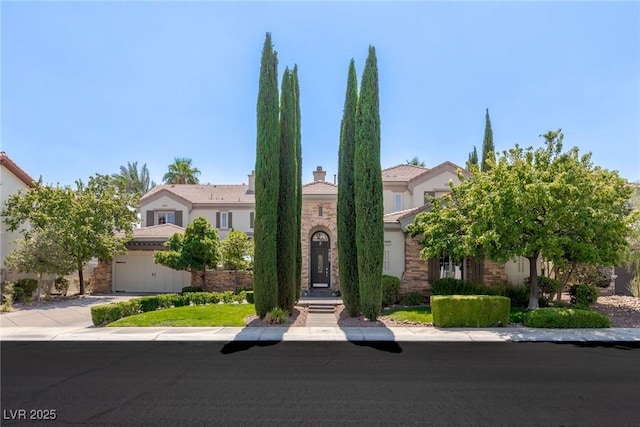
[320, 383]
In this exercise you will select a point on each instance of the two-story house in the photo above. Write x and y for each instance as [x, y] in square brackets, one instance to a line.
[167, 209]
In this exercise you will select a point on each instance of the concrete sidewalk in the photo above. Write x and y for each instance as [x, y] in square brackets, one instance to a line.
[70, 320]
[399, 334]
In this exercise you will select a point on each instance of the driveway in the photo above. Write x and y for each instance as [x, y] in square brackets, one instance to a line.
[74, 312]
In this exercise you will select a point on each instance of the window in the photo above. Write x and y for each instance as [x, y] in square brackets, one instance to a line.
[397, 202]
[224, 220]
[166, 217]
[386, 262]
[520, 263]
[428, 195]
[450, 268]
[319, 210]
[251, 219]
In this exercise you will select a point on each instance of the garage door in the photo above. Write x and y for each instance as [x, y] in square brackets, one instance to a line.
[137, 272]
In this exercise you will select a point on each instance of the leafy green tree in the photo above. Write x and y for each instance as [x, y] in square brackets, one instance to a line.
[197, 250]
[42, 254]
[265, 274]
[346, 216]
[237, 253]
[133, 181]
[287, 204]
[473, 158]
[532, 203]
[298, 226]
[416, 162]
[181, 172]
[368, 191]
[84, 220]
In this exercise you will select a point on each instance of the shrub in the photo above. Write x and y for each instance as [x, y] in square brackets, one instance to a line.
[6, 296]
[28, 287]
[565, 318]
[634, 286]
[104, 314]
[276, 316]
[519, 295]
[191, 289]
[450, 286]
[412, 298]
[227, 297]
[149, 304]
[166, 300]
[560, 304]
[583, 295]
[595, 276]
[390, 289]
[131, 307]
[62, 285]
[240, 297]
[470, 310]
[249, 296]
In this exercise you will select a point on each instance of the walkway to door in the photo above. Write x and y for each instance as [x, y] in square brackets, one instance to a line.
[321, 310]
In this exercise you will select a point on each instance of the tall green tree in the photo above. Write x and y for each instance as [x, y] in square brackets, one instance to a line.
[368, 191]
[265, 274]
[237, 253]
[287, 203]
[133, 181]
[197, 250]
[298, 226]
[84, 220]
[488, 149]
[473, 158]
[542, 203]
[346, 214]
[42, 253]
[181, 171]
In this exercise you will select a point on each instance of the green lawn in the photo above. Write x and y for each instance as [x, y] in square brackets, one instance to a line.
[422, 314]
[200, 315]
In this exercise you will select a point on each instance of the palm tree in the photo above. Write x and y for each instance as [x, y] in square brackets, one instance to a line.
[416, 162]
[181, 172]
[133, 181]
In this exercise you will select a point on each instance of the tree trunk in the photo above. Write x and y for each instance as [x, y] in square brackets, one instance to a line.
[81, 280]
[565, 278]
[533, 282]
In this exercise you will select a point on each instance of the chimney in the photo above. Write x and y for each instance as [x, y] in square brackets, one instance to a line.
[319, 174]
[252, 182]
[334, 179]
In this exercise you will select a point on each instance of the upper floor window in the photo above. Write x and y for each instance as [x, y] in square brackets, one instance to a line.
[397, 202]
[252, 217]
[319, 210]
[166, 217]
[224, 220]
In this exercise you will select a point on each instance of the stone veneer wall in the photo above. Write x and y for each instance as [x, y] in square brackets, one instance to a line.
[223, 280]
[416, 270]
[312, 222]
[102, 275]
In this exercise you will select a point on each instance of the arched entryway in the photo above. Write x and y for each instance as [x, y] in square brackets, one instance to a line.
[320, 260]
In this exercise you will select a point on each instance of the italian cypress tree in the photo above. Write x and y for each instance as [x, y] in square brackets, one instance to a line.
[488, 149]
[296, 92]
[368, 191]
[347, 252]
[265, 275]
[473, 157]
[287, 203]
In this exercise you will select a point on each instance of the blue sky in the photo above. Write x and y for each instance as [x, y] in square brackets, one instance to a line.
[89, 86]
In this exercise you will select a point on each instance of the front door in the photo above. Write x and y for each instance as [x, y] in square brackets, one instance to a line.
[320, 263]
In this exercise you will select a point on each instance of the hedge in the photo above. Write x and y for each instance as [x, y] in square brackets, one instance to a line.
[470, 310]
[106, 313]
[565, 318]
[390, 289]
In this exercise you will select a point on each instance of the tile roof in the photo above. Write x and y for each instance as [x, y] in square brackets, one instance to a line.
[159, 232]
[319, 187]
[407, 213]
[402, 173]
[16, 170]
[205, 194]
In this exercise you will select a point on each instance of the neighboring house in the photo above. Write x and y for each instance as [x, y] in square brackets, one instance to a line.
[12, 180]
[168, 208]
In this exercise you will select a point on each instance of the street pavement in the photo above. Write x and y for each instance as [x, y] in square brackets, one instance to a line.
[70, 320]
